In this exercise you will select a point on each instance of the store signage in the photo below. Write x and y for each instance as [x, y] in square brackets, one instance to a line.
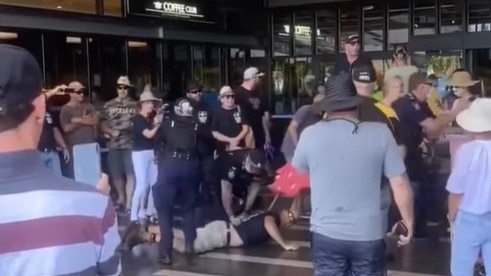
[175, 9]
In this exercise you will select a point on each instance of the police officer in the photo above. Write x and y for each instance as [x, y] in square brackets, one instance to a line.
[202, 114]
[179, 175]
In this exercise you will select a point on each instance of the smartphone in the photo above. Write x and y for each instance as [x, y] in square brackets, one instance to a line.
[87, 163]
[401, 228]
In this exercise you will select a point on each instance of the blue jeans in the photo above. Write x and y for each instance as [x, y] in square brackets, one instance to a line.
[471, 235]
[51, 160]
[343, 258]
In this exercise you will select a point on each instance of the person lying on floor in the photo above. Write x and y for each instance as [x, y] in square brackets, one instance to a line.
[254, 229]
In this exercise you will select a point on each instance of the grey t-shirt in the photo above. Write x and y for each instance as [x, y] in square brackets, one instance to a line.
[304, 117]
[345, 169]
[83, 134]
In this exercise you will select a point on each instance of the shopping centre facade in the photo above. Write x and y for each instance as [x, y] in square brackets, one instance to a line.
[167, 43]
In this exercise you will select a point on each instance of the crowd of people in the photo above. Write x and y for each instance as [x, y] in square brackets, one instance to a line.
[363, 153]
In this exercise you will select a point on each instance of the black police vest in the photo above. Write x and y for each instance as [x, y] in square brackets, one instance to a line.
[181, 136]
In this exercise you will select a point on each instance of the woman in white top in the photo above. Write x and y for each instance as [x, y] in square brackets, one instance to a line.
[469, 186]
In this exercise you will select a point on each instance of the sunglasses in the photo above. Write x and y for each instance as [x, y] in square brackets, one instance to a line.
[195, 91]
[353, 43]
[229, 97]
[123, 88]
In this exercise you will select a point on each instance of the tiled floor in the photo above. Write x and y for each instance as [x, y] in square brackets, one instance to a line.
[421, 258]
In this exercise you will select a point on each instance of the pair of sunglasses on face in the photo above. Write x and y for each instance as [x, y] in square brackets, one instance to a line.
[230, 96]
[195, 91]
[123, 88]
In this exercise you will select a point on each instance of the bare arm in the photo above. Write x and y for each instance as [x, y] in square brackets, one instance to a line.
[243, 133]
[403, 196]
[293, 131]
[59, 138]
[274, 232]
[454, 201]
[220, 137]
[266, 125]
[150, 133]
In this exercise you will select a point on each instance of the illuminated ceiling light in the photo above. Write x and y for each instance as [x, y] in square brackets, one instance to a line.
[73, 40]
[59, 7]
[137, 44]
[4, 35]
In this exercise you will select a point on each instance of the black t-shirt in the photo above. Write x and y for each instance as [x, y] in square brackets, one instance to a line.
[228, 123]
[411, 113]
[47, 141]
[252, 230]
[342, 65]
[253, 108]
[140, 142]
[230, 166]
[203, 115]
[368, 112]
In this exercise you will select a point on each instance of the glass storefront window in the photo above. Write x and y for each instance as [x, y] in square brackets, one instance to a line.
[29, 40]
[349, 24]
[143, 66]
[479, 16]
[451, 19]
[303, 33]
[206, 69]
[326, 23]
[424, 18]
[177, 69]
[236, 66]
[107, 63]
[80, 6]
[398, 24]
[373, 28]
[66, 59]
[112, 8]
[282, 24]
[282, 97]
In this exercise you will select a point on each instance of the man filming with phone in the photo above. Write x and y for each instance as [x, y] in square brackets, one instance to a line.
[78, 120]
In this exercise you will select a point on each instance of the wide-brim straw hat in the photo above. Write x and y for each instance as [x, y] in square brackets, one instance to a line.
[125, 81]
[476, 118]
[462, 79]
[147, 95]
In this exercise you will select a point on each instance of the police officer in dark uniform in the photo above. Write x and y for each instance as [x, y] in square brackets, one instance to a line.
[203, 114]
[179, 175]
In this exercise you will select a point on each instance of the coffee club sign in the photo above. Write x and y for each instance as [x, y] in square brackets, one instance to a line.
[174, 9]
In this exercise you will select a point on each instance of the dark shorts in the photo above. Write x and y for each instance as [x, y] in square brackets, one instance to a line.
[119, 162]
[339, 257]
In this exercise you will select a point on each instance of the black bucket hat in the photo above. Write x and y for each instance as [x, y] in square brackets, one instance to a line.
[340, 95]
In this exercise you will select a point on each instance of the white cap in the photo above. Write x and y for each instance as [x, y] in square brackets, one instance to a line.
[75, 85]
[226, 90]
[252, 72]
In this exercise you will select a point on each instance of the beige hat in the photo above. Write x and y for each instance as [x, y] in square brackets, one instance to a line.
[462, 79]
[147, 94]
[124, 80]
[75, 85]
[476, 118]
[226, 90]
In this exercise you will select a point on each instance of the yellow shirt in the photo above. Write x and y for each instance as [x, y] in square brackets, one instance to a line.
[434, 101]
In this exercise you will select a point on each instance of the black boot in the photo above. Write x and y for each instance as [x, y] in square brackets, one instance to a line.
[165, 260]
[189, 249]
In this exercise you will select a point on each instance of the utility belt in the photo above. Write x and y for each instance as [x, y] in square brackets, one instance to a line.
[47, 150]
[181, 154]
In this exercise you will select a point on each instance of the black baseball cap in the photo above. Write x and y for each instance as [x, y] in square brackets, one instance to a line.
[365, 74]
[193, 86]
[21, 78]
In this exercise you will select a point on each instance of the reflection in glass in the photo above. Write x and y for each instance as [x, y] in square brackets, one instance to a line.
[479, 16]
[143, 66]
[66, 59]
[281, 34]
[304, 82]
[325, 68]
[350, 23]
[112, 8]
[482, 68]
[303, 33]
[373, 28]
[326, 31]
[398, 24]
[107, 63]
[236, 66]
[206, 68]
[29, 40]
[81, 6]
[451, 16]
[424, 18]
[282, 97]
[177, 70]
